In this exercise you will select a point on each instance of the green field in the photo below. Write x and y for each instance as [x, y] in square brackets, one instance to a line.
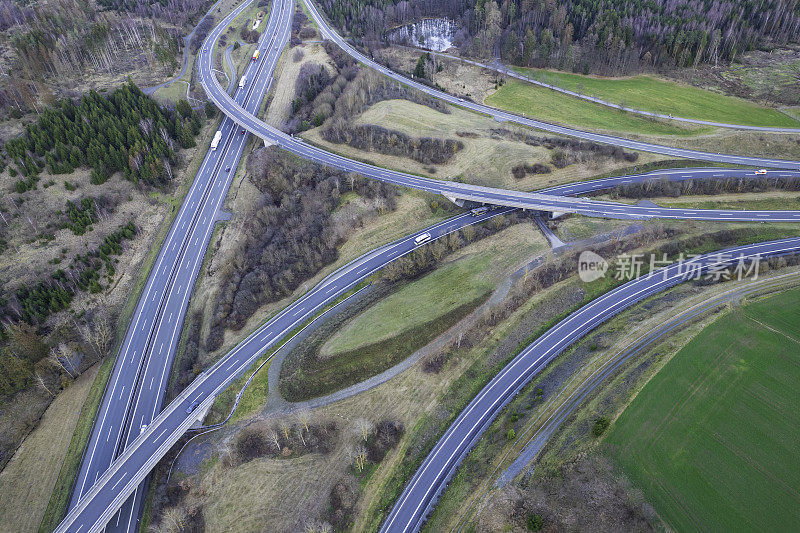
[652, 94]
[537, 102]
[468, 276]
[391, 330]
[712, 438]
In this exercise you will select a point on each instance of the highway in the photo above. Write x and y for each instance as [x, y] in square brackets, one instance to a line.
[138, 382]
[101, 501]
[156, 322]
[462, 191]
[423, 490]
[500, 115]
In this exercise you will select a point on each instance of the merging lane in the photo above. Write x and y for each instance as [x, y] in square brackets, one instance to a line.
[138, 382]
[161, 308]
[421, 493]
[453, 190]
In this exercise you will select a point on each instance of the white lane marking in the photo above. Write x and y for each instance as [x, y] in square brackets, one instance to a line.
[162, 433]
[151, 382]
[236, 362]
[124, 475]
[121, 392]
[299, 311]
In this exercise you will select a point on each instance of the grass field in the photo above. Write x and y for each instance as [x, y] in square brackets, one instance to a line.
[712, 439]
[648, 93]
[25, 496]
[486, 159]
[471, 273]
[537, 102]
[412, 316]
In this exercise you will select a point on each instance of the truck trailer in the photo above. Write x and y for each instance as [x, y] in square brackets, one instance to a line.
[216, 139]
[243, 81]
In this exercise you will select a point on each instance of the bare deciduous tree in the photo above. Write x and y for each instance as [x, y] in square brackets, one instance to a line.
[42, 384]
[304, 417]
[364, 428]
[272, 435]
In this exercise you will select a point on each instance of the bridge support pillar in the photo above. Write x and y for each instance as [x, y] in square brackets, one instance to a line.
[458, 201]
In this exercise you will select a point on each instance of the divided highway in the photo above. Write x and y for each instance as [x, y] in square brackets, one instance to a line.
[99, 505]
[136, 388]
[420, 495]
[142, 366]
[462, 191]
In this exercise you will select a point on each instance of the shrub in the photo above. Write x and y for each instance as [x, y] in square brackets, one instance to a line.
[534, 522]
[600, 425]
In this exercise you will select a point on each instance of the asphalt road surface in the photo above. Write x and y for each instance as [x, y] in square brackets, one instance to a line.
[462, 191]
[144, 450]
[160, 311]
[423, 490]
[331, 34]
[136, 387]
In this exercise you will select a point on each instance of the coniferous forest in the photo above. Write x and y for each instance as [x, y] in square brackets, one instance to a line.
[125, 132]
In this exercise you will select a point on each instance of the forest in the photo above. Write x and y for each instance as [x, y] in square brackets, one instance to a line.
[125, 132]
[602, 37]
[290, 234]
[54, 48]
[320, 95]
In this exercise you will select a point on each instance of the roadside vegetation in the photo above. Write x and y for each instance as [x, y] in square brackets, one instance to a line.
[75, 237]
[446, 282]
[26, 496]
[649, 93]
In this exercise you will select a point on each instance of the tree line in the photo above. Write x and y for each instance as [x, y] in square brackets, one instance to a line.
[125, 132]
[600, 36]
[371, 137]
[665, 187]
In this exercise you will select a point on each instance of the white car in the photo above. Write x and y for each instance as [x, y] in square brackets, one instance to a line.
[144, 427]
[761, 171]
[423, 238]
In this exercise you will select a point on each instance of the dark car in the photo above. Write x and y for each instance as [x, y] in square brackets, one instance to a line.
[192, 407]
[227, 169]
[242, 132]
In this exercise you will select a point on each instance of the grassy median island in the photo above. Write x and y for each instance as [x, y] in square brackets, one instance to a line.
[545, 104]
[712, 438]
[411, 316]
[648, 93]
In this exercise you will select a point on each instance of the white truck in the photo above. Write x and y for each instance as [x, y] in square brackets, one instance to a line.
[243, 81]
[216, 139]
